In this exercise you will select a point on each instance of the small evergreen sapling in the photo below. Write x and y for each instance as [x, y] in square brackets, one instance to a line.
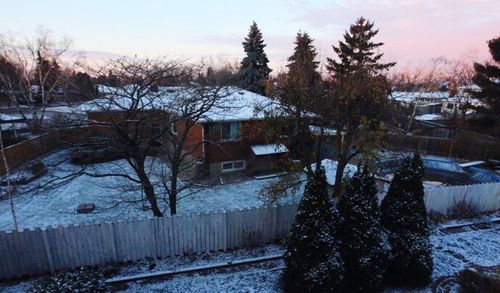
[405, 217]
[312, 256]
[363, 246]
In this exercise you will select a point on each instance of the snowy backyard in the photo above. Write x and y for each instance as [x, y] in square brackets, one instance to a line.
[56, 204]
[452, 252]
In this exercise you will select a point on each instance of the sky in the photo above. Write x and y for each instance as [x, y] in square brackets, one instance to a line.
[414, 31]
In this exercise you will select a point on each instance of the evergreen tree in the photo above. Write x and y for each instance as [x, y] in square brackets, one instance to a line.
[303, 66]
[312, 257]
[358, 95]
[9, 74]
[254, 70]
[363, 246]
[47, 73]
[488, 78]
[300, 94]
[82, 86]
[404, 215]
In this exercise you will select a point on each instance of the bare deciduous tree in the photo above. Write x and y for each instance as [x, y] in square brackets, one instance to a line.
[153, 109]
[38, 77]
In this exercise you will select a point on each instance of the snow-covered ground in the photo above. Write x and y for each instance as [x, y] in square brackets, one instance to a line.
[56, 205]
[452, 253]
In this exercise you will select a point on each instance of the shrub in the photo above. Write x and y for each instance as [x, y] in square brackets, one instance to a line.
[81, 280]
[312, 250]
[37, 168]
[404, 215]
[363, 247]
[478, 280]
[463, 210]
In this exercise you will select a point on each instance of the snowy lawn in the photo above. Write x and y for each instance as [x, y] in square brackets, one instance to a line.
[452, 253]
[56, 205]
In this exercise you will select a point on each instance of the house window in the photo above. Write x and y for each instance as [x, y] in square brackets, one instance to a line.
[230, 131]
[233, 166]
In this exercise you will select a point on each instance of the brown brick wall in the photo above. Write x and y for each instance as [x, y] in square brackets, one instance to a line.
[219, 151]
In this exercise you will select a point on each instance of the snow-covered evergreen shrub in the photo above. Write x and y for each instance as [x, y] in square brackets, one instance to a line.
[364, 247]
[312, 256]
[404, 215]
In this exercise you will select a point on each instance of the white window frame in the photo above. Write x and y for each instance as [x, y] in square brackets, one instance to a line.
[233, 168]
[231, 139]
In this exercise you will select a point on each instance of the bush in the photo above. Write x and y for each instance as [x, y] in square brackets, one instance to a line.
[81, 280]
[93, 152]
[37, 168]
[405, 217]
[363, 247]
[437, 217]
[479, 280]
[312, 250]
[463, 210]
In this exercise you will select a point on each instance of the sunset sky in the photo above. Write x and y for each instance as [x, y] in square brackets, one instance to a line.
[413, 30]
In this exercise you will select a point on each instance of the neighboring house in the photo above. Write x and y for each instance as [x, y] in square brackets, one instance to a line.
[228, 138]
[436, 102]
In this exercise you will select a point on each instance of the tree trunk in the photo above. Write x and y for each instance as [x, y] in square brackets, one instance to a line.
[9, 190]
[150, 192]
[337, 188]
[172, 197]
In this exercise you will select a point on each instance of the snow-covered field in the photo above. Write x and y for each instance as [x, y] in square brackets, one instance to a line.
[452, 253]
[56, 205]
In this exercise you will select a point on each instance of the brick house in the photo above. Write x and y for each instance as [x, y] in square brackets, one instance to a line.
[227, 139]
[233, 138]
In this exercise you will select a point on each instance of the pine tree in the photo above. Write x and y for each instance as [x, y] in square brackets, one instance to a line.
[254, 70]
[357, 51]
[358, 94]
[404, 215]
[488, 78]
[363, 248]
[303, 66]
[312, 257]
[300, 94]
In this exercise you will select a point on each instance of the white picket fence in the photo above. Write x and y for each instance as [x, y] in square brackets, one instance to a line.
[33, 252]
[38, 251]
[485, 196]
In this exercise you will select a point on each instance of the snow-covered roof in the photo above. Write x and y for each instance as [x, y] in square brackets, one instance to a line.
[433, 98]
[316, 130]
[7, 117]
[412, 96]
[239, 105]
[429, 117]
[268, 149]
[64, 109]
[330, 167]
[470, 164]
[235, 104]
[470, 87]
[14, 126]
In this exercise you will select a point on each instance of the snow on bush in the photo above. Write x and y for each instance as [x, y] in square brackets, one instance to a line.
[330, 167]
